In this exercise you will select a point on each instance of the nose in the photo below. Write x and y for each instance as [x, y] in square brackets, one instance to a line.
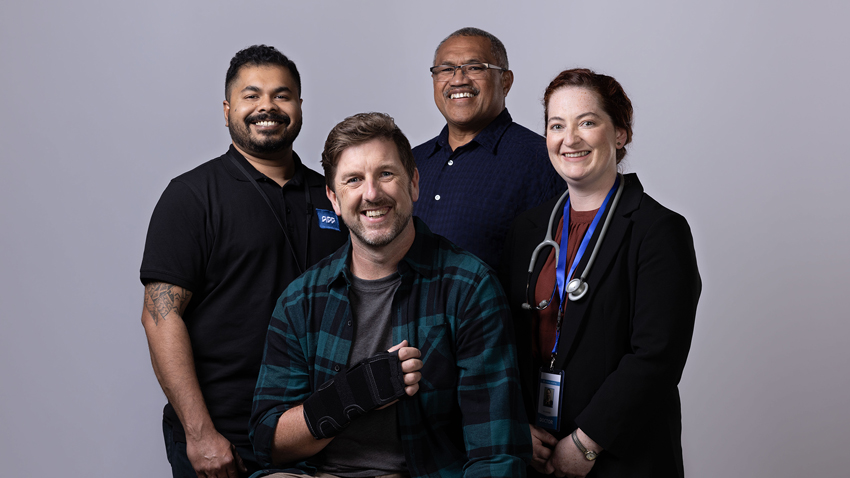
[266, 103]
[570, 137]
[458, 77]
[373, 190]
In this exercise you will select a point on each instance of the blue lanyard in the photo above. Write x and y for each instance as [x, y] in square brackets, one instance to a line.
[560, 272]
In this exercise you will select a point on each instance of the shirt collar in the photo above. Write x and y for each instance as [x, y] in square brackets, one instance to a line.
[296, 180]
[417, 260]
[488, 137]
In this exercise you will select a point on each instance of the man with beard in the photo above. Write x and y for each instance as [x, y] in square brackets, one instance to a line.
[392, 357]
[483, 169]
[224, 240]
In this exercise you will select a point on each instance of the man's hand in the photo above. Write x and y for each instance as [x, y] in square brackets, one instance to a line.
[569, 461]
[213, 456]
[542, 442]
[410, 365]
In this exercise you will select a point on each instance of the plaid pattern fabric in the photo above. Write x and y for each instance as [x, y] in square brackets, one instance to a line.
[467, 418]
[483, 185]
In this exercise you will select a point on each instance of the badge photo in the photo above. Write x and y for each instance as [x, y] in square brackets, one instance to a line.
[549, 400]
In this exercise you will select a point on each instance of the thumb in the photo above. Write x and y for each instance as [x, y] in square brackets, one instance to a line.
[398, 346]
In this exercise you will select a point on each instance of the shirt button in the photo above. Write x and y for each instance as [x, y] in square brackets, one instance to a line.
[349, 323]
[437, 197]
[336, 368]
[451, 162]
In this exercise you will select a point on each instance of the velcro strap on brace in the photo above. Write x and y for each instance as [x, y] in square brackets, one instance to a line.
[374, 382]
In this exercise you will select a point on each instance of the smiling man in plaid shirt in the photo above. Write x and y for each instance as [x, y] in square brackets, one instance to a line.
[445, 401]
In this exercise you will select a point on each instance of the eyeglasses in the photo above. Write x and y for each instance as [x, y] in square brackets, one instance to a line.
[473, 71]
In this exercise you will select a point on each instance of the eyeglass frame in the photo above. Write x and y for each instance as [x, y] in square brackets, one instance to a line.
[489, 66]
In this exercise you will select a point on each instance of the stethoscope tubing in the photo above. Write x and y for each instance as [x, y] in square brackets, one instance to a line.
[604, 230]
[577, 285]
[548, 241]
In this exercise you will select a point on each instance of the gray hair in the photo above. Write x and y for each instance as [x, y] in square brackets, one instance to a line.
[497, 48]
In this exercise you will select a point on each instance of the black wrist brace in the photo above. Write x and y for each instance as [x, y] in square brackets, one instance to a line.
[374, 382]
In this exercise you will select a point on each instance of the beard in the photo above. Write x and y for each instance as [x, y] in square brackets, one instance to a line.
[379, 239]
[264, 142]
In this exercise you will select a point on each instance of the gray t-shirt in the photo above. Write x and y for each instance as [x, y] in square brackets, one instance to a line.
[370, 445]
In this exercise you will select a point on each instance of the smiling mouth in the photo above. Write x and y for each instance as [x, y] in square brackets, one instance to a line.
[268, 120]
[465, 94]
[376, 212]
[577, 154]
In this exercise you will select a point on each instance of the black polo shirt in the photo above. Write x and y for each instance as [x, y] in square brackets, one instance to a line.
[213, 233]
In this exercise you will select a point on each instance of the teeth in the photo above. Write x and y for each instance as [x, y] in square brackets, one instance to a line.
[376, 213]
[576, 155]
[265, 123]
[461, 95]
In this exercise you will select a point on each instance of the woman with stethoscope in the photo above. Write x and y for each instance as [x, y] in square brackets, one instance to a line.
[603, 285]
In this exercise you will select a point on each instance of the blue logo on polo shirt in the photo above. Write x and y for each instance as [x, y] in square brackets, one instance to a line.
[328, 219]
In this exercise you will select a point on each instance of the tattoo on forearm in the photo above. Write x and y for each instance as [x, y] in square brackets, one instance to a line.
[161, 299]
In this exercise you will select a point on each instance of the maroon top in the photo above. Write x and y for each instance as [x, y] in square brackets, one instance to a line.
[545, 321]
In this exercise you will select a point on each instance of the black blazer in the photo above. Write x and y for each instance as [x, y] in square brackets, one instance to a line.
[624, 344]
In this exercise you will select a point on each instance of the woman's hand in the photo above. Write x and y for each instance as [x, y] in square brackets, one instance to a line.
[567, 460]
[542, 442]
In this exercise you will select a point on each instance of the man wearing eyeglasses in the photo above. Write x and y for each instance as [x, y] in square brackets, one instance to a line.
[483, 169]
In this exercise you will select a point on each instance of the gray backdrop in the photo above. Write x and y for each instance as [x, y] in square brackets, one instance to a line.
[741, 125]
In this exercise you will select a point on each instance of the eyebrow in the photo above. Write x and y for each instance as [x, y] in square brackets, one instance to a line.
[257, 89]
[383, 166]
[451, 63]
[589, 113]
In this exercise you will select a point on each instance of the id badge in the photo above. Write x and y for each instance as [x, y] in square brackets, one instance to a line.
[327, 219]
[549, 400]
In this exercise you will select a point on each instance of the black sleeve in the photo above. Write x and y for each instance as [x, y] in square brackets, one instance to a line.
[513, 278]
[178, 240]
[667, 290]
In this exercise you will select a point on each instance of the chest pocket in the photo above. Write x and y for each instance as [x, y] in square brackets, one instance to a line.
[439, 366]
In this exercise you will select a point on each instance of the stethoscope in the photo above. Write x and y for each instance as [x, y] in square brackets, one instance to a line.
[576, 288]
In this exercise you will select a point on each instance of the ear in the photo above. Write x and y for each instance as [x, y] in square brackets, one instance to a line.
[621, 137]
[332, 198]
[507, 81]
[226, 113]
[414, 185]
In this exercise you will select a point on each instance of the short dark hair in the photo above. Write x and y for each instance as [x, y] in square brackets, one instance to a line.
[259, 55]
[612, 98]
[359, 129]
[497, 48]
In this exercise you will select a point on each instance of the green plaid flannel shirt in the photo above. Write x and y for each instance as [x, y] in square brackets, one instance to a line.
[467, 419]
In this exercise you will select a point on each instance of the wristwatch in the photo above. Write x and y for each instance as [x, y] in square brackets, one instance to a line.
[589, 455]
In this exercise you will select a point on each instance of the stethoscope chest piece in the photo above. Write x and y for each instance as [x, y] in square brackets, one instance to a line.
[576, 289]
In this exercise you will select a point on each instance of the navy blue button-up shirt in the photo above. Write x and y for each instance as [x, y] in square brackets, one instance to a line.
[471, 195]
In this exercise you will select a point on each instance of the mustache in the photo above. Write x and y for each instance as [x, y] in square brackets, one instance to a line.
[367, 204]
[277, 117]
[470, 89]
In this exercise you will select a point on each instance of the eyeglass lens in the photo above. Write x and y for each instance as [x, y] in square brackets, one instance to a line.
[470, 70]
